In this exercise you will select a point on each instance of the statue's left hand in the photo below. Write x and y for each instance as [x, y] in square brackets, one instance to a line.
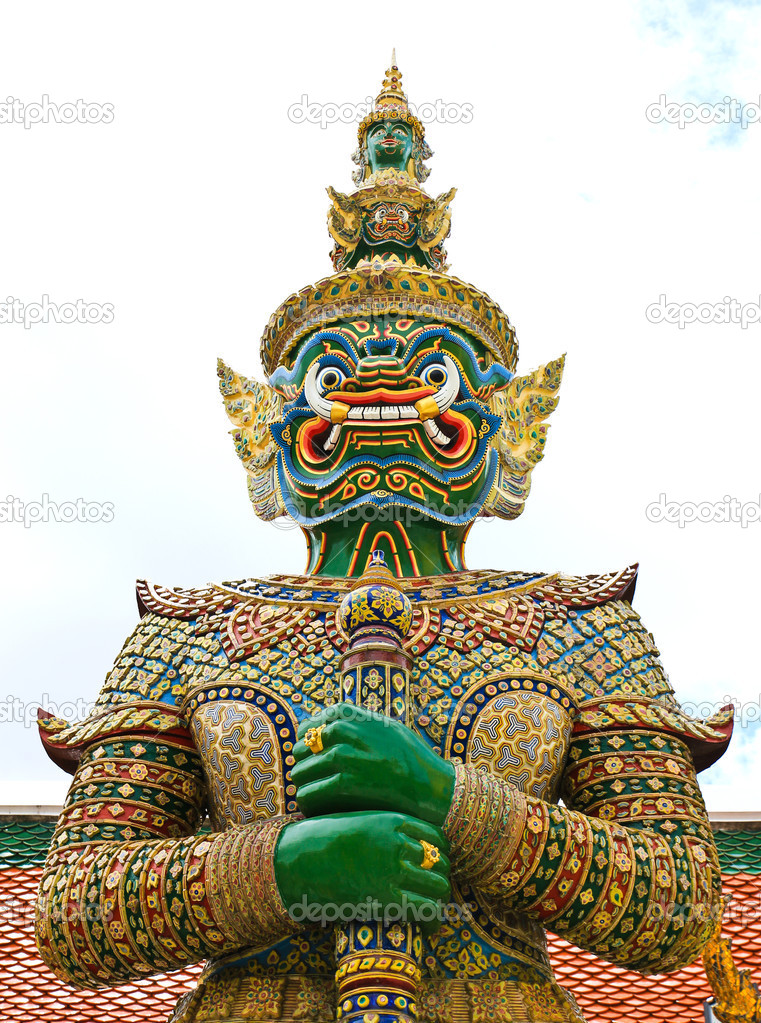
[369, 762]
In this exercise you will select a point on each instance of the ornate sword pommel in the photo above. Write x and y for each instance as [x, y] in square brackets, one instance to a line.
[376, 606]
[376, 616]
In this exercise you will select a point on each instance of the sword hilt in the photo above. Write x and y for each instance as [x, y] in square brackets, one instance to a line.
[378, 966]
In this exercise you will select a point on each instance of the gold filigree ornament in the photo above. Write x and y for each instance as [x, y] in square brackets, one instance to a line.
[738, 999]
[523, 405]
[252, 407]
[400, 289]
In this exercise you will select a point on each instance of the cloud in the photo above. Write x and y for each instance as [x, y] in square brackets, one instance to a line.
[712, 47]
[733, 783]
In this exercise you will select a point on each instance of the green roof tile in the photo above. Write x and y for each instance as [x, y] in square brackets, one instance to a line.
[739, 851]
[24, 841]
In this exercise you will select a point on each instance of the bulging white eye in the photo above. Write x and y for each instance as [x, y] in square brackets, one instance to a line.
[329, 378]
[435, 375]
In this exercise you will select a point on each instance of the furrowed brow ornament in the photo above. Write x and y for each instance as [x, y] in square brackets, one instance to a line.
[393, 213]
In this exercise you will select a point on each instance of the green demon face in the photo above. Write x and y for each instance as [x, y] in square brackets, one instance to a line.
[389, 144]
[387, 413]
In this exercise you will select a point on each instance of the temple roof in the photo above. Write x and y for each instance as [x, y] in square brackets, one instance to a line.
[606, 993]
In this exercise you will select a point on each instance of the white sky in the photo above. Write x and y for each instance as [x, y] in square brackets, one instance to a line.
[201, 206]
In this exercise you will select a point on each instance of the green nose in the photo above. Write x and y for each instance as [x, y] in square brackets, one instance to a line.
[383, 371]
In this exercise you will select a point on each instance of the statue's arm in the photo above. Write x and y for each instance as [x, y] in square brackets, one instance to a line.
[110, 910]
[635, 880]
[628, 866]
[129, 888]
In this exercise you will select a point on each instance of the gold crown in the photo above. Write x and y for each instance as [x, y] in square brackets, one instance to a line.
[384, 285]
[391, 104]
[381, 287]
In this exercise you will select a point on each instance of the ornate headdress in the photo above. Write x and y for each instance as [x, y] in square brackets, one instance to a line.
[383, 287]
[396, 274]
[403, 281]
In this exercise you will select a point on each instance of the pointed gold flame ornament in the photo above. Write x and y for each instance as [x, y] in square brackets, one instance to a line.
[738, 999]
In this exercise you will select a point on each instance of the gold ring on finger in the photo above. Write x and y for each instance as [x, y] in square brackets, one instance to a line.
[313, 739]
[431, 855]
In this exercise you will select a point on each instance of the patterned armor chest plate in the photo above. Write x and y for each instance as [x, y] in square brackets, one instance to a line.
[478, 693]
[246, 734]
[245, 739]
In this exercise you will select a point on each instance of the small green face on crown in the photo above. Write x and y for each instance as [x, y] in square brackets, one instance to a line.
[389, 144]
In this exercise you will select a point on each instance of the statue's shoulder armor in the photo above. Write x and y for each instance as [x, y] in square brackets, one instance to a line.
[513, 608]
[187, 605]
[587, 591]
[175, 642]
[604, 650]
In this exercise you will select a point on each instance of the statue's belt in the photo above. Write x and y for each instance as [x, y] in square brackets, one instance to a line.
[233, 996]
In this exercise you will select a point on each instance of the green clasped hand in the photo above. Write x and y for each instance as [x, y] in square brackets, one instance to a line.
[369, 762]
[375, 797]
[362, 866]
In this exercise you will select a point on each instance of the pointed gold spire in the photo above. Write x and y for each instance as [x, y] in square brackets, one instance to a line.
[392, 94]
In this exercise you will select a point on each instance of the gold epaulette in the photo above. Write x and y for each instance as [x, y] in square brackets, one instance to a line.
[586, 591]
[707, 738]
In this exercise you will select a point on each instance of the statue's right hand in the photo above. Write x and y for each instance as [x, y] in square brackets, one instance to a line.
[362, 866]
